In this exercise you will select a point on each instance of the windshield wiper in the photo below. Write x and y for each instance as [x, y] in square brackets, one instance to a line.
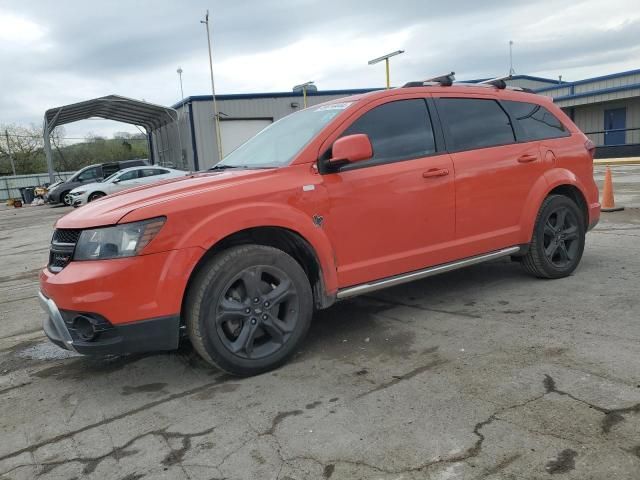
[222, 167]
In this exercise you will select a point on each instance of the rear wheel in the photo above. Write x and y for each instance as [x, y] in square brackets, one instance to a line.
[95, 196]
[248, 308]
[558, 239]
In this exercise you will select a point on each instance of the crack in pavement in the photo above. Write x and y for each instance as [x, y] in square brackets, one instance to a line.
[420, 307]
[8, 389]
[400, 378]
[146, 406]
[612, 416]
[90, 464]
[278, 419]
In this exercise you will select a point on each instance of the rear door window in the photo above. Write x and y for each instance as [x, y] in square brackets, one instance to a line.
[535, 121]
[90, 174]
[398, 130]
[474, 123]
[150, 172]
[131, 175]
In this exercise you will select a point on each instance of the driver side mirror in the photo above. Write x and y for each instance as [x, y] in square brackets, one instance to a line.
[116, 180]
[350, 149]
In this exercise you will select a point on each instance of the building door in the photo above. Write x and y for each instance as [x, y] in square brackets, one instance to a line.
[237, 131]
[615, 121]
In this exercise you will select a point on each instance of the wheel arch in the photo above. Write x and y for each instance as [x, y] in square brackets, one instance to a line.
[282, 238]
[557, 181]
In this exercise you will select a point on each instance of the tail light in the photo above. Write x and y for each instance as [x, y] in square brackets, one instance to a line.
[591, 148]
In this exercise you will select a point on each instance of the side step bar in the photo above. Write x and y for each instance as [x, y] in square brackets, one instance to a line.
[427, 272]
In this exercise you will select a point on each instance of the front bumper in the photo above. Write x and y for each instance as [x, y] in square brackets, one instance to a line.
[154, 334]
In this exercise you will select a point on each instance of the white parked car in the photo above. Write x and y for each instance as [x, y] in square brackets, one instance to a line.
[121, 180]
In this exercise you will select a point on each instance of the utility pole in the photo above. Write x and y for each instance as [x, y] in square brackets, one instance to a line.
[13, 166]
[511, 70]
[386, 61]
[213, 88]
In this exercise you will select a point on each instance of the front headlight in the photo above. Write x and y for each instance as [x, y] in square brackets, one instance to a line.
[75, 194]
[126, 240]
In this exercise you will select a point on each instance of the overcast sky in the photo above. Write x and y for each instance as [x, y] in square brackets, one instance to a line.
[58, 52]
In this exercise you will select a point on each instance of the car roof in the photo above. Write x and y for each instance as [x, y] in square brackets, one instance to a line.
[142, 167]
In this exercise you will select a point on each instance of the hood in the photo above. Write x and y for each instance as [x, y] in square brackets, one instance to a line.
[112, 208]
[86, 186]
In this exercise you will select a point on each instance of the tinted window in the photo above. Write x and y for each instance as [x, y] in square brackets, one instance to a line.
[128, 176]
[397, 130]
[474, 123]
[149, 172]
[89, 174]
[535, 121]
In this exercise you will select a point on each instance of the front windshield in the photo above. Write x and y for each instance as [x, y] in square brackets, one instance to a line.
[281, 141]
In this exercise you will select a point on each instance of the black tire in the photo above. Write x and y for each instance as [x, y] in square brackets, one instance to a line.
[65, 199]
[558, 237]
[95, 196]
[238, 330]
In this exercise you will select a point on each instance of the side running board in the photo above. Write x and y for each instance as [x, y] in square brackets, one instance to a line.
[427, 272]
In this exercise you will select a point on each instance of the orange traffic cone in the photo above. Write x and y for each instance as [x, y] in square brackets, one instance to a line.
[608, 202]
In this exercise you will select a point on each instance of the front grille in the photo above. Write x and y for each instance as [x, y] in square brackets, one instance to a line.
[63, 245]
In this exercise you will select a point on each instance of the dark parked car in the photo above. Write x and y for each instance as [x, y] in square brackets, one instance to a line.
[93, 173]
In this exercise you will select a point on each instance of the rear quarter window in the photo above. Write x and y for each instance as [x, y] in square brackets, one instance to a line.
[535, 121]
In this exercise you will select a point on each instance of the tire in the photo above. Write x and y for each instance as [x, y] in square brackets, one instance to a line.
[555, 250]
[95, 196]
[65, 198]
[237, 327]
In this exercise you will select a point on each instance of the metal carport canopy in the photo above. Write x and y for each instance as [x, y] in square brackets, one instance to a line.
[112, 107]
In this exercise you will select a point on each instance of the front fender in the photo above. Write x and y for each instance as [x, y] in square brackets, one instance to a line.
[214, 228]
[551, 179]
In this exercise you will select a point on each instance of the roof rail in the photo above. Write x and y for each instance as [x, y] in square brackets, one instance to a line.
[498, 82]
[443, 80]
[501, 83]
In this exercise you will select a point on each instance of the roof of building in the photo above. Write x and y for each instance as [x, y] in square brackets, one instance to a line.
[112, 107]
[611, 76]
[554, 84]
[249, 96]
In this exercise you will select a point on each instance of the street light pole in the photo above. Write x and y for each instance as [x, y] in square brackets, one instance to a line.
[386, 61]
[179, 71]
[213, 88]
[303, 87]
[511, 70]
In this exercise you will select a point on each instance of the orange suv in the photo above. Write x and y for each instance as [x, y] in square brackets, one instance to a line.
[336, 200]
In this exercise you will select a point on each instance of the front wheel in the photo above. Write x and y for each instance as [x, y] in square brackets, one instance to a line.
[95, 196]
[248, 309]
[558, 239]
[66, 199]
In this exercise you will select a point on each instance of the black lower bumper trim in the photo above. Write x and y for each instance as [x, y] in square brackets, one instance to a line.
[150, 335]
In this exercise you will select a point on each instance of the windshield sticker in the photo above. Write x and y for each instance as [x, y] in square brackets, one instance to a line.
[333, 106]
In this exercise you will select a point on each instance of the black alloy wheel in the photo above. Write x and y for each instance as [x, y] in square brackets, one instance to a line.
[257, 312]
[557, 243]
[248, 308]
[560, 239]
